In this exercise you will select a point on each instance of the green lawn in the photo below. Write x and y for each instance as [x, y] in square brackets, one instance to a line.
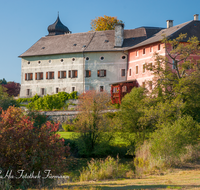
[117, 140]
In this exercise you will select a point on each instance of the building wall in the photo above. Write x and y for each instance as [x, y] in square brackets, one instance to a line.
[112, 63]
[138, 58]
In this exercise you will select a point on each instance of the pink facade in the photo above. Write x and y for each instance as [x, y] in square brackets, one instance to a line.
[136, 64]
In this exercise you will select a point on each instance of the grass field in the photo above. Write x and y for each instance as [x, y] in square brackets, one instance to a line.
[178, 179]
[117, 140]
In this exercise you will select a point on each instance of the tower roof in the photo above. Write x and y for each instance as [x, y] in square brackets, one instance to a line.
[57, 28]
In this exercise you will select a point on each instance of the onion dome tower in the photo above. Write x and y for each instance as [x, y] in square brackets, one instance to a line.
[57, 28]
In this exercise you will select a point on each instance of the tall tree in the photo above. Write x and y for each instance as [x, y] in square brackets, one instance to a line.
[91, 122]
[104, 23]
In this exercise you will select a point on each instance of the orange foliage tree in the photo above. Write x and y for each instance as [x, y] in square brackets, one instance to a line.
[104, 23]
[29, 148]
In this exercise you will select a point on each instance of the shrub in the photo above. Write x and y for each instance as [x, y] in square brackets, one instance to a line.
[29, 148]
[170, 142]
[68, 127]
[104, 169]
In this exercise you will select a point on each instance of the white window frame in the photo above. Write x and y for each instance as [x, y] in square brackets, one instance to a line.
[136, 53]
[143, 72]
[151, 49]
[135, 69]
[88, 88]
[129, 72]
[74, 88]
[143, 51]
[103, 88]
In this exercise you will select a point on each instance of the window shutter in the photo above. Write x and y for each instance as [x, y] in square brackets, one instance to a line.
[31, 76]
[46, 75]
[35, 76]
[89, 73]
[59, 74]
[75, 73]
[25, 76]
[64, 74]
[69, 75]
[104, 73]
[52, 75]
[98, 73]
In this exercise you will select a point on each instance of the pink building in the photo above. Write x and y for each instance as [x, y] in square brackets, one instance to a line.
[142, 53]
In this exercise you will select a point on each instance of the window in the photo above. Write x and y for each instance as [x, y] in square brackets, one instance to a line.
[29, 62]
[123, 72]
[42, 91]
[39, 76]
[87, 87]
[136, 53]
[50, 75]
[101, 73]
[57, 90]
[158, 47]
[130, 72]
[39, 62]
[136, 70]
[73, 74]
[150, 66]
[61, 60]
[28, 76]
[101, 88]
[144, 68]
[124, 88]
[73, 88]
[87, 73]
[50, 61]
[61, 74]
[143, 84]
[115, 89]
[143, 51]
[28, 92]
[73, 59]
[101, 58]
[123, 57]
[173, 65]
[150, 85]
[87, 58]
[151, 49]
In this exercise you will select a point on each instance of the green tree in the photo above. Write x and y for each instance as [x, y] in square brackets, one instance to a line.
[3, 81]
[90, 122]
[5, 100]
[104, 23]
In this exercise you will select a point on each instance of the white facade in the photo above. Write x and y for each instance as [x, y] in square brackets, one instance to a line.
[112, 62]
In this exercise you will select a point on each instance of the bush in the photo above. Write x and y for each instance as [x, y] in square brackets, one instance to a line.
[104, 169]
[170, 142]
[68, 127]
[29, 148]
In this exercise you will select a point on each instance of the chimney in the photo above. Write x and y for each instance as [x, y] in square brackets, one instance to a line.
[169, 23]
[119, 35]
[196, 17]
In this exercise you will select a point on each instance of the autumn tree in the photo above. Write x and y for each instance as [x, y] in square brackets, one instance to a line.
[12, 88]
[5, 100]
[91, 123]
[104, 23]
[29, 148]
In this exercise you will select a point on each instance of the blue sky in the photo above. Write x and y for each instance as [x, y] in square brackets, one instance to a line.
[23, 22]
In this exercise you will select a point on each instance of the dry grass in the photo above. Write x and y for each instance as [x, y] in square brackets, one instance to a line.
[178, 179]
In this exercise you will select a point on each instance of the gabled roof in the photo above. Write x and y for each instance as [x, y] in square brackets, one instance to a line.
[192, 28]
[87, 42]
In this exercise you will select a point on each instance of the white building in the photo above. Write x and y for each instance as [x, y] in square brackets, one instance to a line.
[62, 61]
